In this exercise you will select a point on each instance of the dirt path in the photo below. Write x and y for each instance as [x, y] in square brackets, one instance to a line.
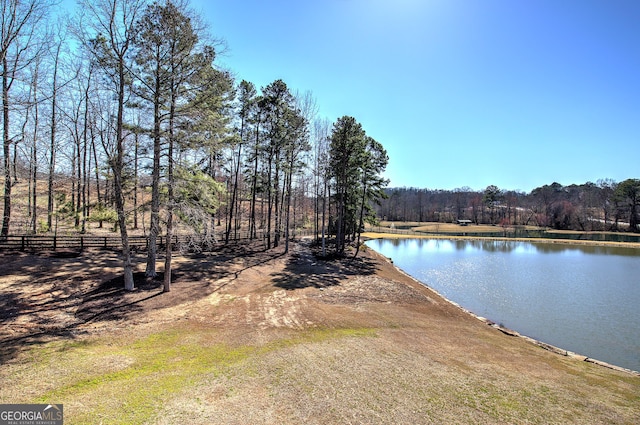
[306, 340]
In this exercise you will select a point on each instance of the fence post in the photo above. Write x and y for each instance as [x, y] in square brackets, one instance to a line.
[22, 243]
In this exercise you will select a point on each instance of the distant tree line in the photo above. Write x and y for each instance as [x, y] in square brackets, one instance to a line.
[602, 206]
[124, 116]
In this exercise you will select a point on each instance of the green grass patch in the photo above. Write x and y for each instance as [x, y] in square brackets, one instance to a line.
[129, 382]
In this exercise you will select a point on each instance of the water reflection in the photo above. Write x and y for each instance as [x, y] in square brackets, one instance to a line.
[507, 246]
[580, 297]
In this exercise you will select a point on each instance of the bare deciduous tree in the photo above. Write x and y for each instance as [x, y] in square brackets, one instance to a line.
[19, 47]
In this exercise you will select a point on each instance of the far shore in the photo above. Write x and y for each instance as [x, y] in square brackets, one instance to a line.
[381, 235]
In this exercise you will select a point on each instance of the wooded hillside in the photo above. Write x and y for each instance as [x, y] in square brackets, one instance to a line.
[605, 206]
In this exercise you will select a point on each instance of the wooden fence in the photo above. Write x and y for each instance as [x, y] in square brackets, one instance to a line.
[82, 242]
[52, 243]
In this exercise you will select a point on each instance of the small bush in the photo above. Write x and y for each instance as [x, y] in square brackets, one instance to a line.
[103, 214]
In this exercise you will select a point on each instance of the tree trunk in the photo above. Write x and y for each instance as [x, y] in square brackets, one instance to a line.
[324, 218]
[78, 183]
[287, 209]
[154, 230]
[119, 193]
[135, 181]
[101, 201]
[234, 194]
[254, 187]
[170, 182]
[269, 205]
[52, 149]
[6, 150]
[34, 192]
[361, 215]
[85, 140]
[168, 251]
[276, 208]
[15, 162]
[34, 157]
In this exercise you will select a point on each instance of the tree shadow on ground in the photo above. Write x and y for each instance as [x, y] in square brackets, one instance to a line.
[207, 267]
[66, 292]
[108, 301]
[305, 268]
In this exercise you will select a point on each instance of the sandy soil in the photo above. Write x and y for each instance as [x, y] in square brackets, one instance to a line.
[396, 352]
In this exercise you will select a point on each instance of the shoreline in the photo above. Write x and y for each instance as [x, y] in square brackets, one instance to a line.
[379, 235]
[510, 332]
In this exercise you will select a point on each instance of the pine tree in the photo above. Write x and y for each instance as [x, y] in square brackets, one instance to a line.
[112, 25]
[356, 161]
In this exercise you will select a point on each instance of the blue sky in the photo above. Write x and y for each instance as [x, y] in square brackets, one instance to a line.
[515, 93]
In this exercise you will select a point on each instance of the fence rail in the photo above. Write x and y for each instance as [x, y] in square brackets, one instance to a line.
[81, 242]
[45, 243]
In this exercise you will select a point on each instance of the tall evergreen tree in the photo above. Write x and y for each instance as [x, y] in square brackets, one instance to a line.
[374, 162]
[321, 177]
[356, 162]
[348, 143]
[246, 99]
[111, 24]
[164, 36]
[277, 104]
[296, 142]
[178, 82]
[253, 159]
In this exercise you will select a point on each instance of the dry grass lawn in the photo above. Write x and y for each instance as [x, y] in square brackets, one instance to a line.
[254, 337]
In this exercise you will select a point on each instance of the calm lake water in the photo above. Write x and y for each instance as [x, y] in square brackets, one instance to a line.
[583, 299]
